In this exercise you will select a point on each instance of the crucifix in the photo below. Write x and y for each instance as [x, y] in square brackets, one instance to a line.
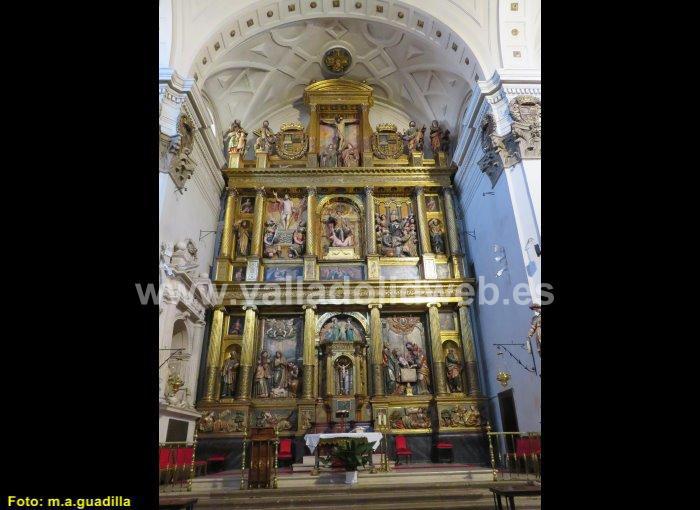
[339, 124]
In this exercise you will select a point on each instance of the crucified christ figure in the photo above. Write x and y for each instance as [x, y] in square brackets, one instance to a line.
[339, 124]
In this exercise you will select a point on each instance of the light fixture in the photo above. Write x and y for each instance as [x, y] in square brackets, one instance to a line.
[500, 272]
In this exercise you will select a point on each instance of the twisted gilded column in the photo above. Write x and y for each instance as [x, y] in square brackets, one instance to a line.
[438, 356]
[256, 248]
[214, 355]
[375, 330]
[469, 350]
[371, 248]
[452, 235]
[224, 265]
[247, 353]
[311, 242]
[309, 352]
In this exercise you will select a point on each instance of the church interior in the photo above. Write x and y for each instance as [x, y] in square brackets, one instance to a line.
[350, 254]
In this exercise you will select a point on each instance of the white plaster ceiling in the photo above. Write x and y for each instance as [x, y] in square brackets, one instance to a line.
[264, 77]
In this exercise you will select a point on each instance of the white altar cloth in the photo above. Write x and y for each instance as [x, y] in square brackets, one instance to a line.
[312, 440]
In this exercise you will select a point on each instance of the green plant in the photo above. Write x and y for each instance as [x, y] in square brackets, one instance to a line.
[351, 452]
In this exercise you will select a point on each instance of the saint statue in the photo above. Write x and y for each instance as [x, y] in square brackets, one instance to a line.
[339, 235]
[435, 137]
[266, 138]
[350, 156]
[293, 379]
[329, 157]
[413, 137]
[454, 371]
[243, 231]
[263, 376]
[344, 379]
[445, 142]
[228, 375]
[437, 241]
[184, 256]
[280, 368]
[237, 138]
[339, 124]
[389, 364]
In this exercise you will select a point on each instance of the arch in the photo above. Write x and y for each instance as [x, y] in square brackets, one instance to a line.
[321, 321]
[337, 213]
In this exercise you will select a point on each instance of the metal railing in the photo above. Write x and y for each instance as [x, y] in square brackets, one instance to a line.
[515, 455]
[178, 469]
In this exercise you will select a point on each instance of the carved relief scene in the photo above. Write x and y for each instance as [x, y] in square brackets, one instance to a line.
[341, 228]
[396, 228]
[277, 372]
[284, 234]
[339, 137]
[404, 356]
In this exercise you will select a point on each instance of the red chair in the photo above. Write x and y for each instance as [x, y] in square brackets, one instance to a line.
[215, 458]
[285, 450]
[528, 446]
[166, 463]
[445, 446]
[183, 463]
[402, 449]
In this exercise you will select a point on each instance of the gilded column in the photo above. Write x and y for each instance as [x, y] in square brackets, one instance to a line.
[371, 248]
[438, 356]
[256, 249]
[452, 236]
[247, 353]
[469, 350]
[310, 255]
[309, 352]
[366, 136]
[313, 136]
[429, 268]
[213, 355]
[375, 329]
[224, 267]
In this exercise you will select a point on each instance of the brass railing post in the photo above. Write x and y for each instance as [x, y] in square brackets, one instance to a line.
[277, 442]
[194, 450]
[493, 459]
[245, 442]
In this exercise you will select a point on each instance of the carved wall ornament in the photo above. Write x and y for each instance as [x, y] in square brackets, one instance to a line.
[337, 61]
[499, 151]
[526, 112]
[177, 156]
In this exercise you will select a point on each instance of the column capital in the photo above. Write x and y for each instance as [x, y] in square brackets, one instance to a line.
[308, 307]
[369, 190]
[249, 307]
[434, 303]
[420, 190]
[463, 304]
[311, 191]
[260, 190]
[220, 308]
[232, 192]
[378, 306]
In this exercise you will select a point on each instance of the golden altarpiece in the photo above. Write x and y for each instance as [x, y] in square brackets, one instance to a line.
[344, 292]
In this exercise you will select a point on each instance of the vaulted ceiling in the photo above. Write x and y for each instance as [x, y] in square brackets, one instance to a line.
[264, 77]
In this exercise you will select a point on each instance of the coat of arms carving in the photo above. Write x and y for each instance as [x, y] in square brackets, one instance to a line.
[386, 142]
[292, 142]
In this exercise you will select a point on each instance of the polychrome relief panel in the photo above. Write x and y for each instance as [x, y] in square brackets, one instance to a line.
[221, 421]
[404, 356]
[396, 229]
[460, 416]
[342, 328]
[409, 418]
[285, 227]
[280, 419]
[341, 229]
[282, 273]
[342, 273]
[278, 370]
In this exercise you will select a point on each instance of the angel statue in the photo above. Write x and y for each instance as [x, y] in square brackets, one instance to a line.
[266, 138]
[413, 137]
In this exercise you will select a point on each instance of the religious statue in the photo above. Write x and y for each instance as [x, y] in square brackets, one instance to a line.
[420, 361]
[228, 375]
[350, 156]
[266, 138]
[237, 138]
[413, 138]
[343, 377]
[236, 327]
[535, 326]
[267, 419]
[339, 235]
[389, 364]
[280, 380]
[454, 371]
[246, 205]
[445, 142]
[298, 243]
[286, 209]
[269, 247]
[437, 241]
[243, 245]
[435, 136]
[263, 376]
[293, 379]
[339, 124]
[329, 156]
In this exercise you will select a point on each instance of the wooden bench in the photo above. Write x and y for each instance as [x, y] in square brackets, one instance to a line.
[510, 492]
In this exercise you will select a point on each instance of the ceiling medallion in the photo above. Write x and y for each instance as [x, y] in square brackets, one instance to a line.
[337, 60]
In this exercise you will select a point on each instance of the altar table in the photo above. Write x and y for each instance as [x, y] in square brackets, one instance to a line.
[313, 440]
